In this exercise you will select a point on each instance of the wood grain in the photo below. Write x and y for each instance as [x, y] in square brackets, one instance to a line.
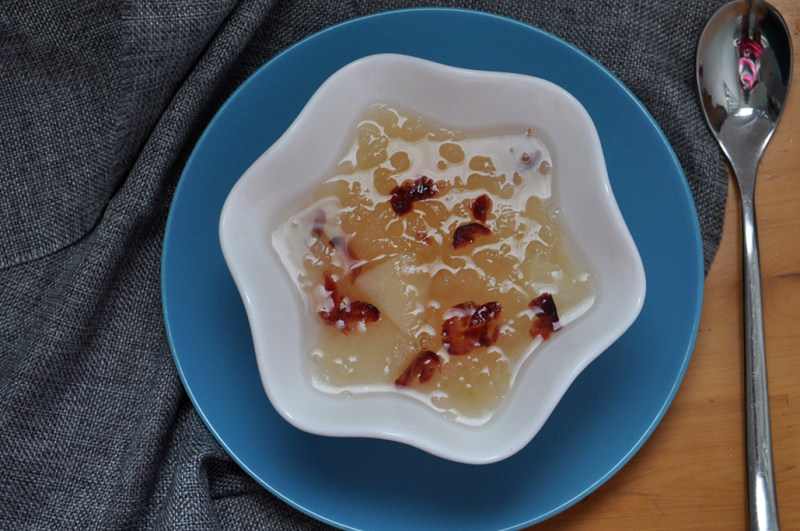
[691, 474]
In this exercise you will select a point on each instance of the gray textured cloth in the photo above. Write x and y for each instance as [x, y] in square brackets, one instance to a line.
[100, 105]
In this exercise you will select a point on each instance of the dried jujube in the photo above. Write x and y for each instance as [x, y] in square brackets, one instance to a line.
[343, 314]
[468, 326]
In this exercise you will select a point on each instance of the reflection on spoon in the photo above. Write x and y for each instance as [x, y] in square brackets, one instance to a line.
[749, 63]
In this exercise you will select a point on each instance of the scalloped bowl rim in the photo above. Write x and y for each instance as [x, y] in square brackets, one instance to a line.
[468, 99]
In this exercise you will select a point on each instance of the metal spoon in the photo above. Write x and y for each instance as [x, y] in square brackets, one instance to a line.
[744, 65]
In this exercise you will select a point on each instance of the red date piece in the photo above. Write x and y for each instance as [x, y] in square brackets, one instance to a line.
[466, 234]
[481, 207]
[318, 229]
[468, 326]
[545, 316]
[421, 368]
[342, 245]
[531, 160]
[404, 195]
[343, 314]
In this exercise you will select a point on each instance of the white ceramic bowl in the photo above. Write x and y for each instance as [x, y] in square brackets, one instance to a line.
[306, 154]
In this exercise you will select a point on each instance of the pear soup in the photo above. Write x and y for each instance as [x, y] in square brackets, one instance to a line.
[432, 262]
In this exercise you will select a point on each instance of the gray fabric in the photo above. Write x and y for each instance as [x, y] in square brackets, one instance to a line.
[100, 105]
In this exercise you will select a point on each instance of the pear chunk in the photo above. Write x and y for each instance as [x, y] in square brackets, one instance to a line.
[400, 289]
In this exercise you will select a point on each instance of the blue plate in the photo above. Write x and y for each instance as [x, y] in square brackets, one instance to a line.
[363, 483]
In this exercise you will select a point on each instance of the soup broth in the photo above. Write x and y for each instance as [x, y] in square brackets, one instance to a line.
[432, 262]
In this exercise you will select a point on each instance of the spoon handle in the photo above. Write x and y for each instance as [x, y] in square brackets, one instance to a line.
[760, 477]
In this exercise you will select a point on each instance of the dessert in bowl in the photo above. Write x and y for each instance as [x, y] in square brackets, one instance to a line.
[430, 255]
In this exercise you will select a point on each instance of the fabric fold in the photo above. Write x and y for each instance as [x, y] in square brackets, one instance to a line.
[102, 105]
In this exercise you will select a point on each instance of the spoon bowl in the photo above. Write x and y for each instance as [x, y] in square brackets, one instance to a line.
[744, 67]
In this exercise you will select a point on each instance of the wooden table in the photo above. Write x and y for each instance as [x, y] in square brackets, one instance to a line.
[691, 473]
